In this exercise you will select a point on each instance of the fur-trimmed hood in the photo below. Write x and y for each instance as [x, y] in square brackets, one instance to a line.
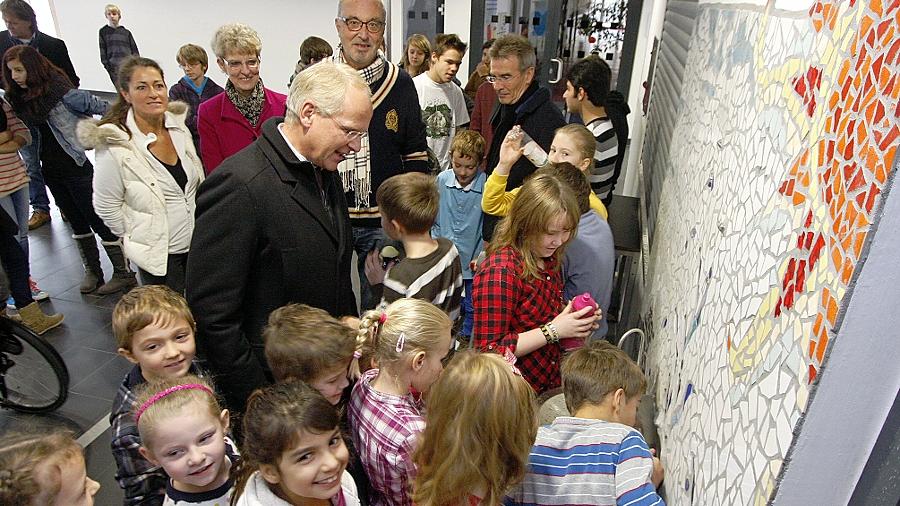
[93, 135]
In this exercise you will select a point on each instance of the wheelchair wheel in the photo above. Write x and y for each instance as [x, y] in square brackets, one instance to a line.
[33, 376]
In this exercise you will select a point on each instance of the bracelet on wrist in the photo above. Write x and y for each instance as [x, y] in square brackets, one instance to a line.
[551, 335]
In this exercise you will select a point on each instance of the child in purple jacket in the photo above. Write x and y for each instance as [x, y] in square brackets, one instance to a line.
[194, 88]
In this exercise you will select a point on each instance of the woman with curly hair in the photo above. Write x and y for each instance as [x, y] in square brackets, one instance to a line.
[230, 121]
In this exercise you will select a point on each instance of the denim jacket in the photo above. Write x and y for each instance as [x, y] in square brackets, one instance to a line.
[63, 118]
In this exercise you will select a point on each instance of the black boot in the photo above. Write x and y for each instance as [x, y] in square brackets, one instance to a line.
[123, 278]
[90, 257]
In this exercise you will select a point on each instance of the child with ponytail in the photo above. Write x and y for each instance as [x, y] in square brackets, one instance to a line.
[182, 428]
[408, 341]
[480, 425]
[44, 469]
[293, 450]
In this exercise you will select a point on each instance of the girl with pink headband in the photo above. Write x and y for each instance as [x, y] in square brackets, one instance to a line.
[182, 428]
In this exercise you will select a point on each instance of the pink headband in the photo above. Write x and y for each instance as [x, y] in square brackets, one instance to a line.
[159, 395]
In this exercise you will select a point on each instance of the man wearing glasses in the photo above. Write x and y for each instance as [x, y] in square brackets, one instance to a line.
[272, 226]
[395, 142]
[521, 102]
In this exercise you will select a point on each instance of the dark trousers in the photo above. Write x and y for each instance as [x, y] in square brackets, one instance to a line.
[15, 263]
[73, 194]
[176, 266]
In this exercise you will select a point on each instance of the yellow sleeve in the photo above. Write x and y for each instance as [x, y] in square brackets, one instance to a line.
[496, 200]
[596, 204]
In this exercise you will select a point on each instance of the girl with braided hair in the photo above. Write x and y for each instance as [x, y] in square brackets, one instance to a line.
[408, 341]
[45, 469]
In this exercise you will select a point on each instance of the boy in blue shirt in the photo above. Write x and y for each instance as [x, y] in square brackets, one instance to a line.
[594, 456]
[459, 215]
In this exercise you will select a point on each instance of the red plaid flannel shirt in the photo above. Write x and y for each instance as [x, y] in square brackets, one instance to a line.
[506, 305]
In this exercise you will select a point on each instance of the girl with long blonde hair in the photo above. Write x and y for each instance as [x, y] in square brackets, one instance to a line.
[479, 398]
[408, 341]
[518, 288]
[417, 55]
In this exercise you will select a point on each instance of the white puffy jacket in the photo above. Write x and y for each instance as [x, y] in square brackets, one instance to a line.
[135, 195]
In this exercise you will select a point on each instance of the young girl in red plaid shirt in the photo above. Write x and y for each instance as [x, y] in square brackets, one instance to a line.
[409, 341]
[479, 398]
[517, 291]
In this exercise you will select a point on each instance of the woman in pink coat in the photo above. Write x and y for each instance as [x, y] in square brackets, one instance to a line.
[230, 121]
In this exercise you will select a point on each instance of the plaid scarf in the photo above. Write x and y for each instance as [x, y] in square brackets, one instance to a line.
[372, 73]
[251, 106]
[356, 170]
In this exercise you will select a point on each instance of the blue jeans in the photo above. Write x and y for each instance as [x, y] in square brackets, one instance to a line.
[16, 206]
[37, 190]
[365, 239]
[465, 310]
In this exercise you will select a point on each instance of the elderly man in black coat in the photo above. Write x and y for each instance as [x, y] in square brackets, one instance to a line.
[272, 227]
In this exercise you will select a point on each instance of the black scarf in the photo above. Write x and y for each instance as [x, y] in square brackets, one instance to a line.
[36, 110]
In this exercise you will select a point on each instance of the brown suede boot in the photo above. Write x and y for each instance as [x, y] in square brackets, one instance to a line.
[37, 321]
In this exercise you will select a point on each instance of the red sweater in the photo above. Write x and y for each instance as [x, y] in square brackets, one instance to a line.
[224, 130]
[506, 305]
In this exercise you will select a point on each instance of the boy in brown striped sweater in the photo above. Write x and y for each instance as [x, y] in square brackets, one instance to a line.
[430, 269]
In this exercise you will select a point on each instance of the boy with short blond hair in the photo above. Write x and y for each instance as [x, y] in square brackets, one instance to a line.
[116, 42]
[154, 330]
[195, 87]
[459, 216]
[308, 344]
[431, 269]
[594, 456]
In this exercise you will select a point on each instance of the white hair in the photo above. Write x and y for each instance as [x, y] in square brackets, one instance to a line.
[325, 84]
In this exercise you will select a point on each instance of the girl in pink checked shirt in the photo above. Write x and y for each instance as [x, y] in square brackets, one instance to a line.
[408, 340]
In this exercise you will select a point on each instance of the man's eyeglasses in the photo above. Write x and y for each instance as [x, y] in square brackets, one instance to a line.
[251, 64]
[351, 135]
[355, 25]
[501, 79]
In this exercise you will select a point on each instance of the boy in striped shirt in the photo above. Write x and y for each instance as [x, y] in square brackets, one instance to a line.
[430, 268]
[587, 90]
[594, 456]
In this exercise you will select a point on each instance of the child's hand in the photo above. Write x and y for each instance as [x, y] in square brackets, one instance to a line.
[573, 324]
[659, 473]
[510, 151]
[374, 270]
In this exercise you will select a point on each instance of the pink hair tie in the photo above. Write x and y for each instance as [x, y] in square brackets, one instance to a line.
[159, 395]
[382, 318]
[357, 354]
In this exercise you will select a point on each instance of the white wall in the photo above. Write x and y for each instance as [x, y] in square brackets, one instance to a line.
[160, 27]
[457, 19]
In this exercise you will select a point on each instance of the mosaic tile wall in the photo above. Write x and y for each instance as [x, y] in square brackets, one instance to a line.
[786, 139]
